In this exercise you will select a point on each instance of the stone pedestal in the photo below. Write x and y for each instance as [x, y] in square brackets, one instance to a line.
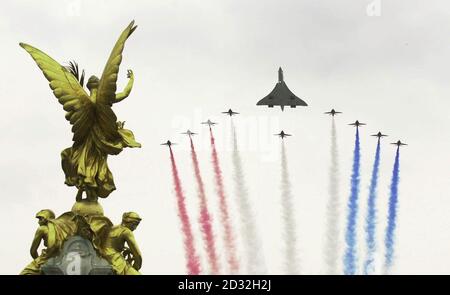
[77, 257]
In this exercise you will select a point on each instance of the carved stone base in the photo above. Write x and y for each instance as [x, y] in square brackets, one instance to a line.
[77, 257]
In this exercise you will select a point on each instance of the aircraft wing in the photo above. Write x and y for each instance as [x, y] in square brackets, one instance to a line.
[281, 95]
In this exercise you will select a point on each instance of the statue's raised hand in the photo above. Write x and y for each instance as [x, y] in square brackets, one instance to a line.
[130, 74]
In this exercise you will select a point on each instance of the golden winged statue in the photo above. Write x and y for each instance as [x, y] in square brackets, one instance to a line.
[96, 131]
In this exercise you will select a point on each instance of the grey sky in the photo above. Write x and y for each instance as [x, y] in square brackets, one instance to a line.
[194, 59]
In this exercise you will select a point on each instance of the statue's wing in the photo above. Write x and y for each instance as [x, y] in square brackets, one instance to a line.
[68, 91]
[107, 86]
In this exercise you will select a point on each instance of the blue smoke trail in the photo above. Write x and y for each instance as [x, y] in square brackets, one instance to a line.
[371, 214]
[392, 214]
[350, 235]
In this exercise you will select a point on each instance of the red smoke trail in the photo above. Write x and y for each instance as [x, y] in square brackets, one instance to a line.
[205, 217]
[193, 263]
[225, 218]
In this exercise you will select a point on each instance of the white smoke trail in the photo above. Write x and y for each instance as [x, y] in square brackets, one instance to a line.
[332, 218]
[289, 233]
[252, 242]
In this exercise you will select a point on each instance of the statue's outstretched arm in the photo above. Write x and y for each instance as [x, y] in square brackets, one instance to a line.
[131, 241]
[40, 233]
[122, 95]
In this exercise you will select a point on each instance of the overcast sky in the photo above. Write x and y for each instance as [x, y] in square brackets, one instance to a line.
[192, 60]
